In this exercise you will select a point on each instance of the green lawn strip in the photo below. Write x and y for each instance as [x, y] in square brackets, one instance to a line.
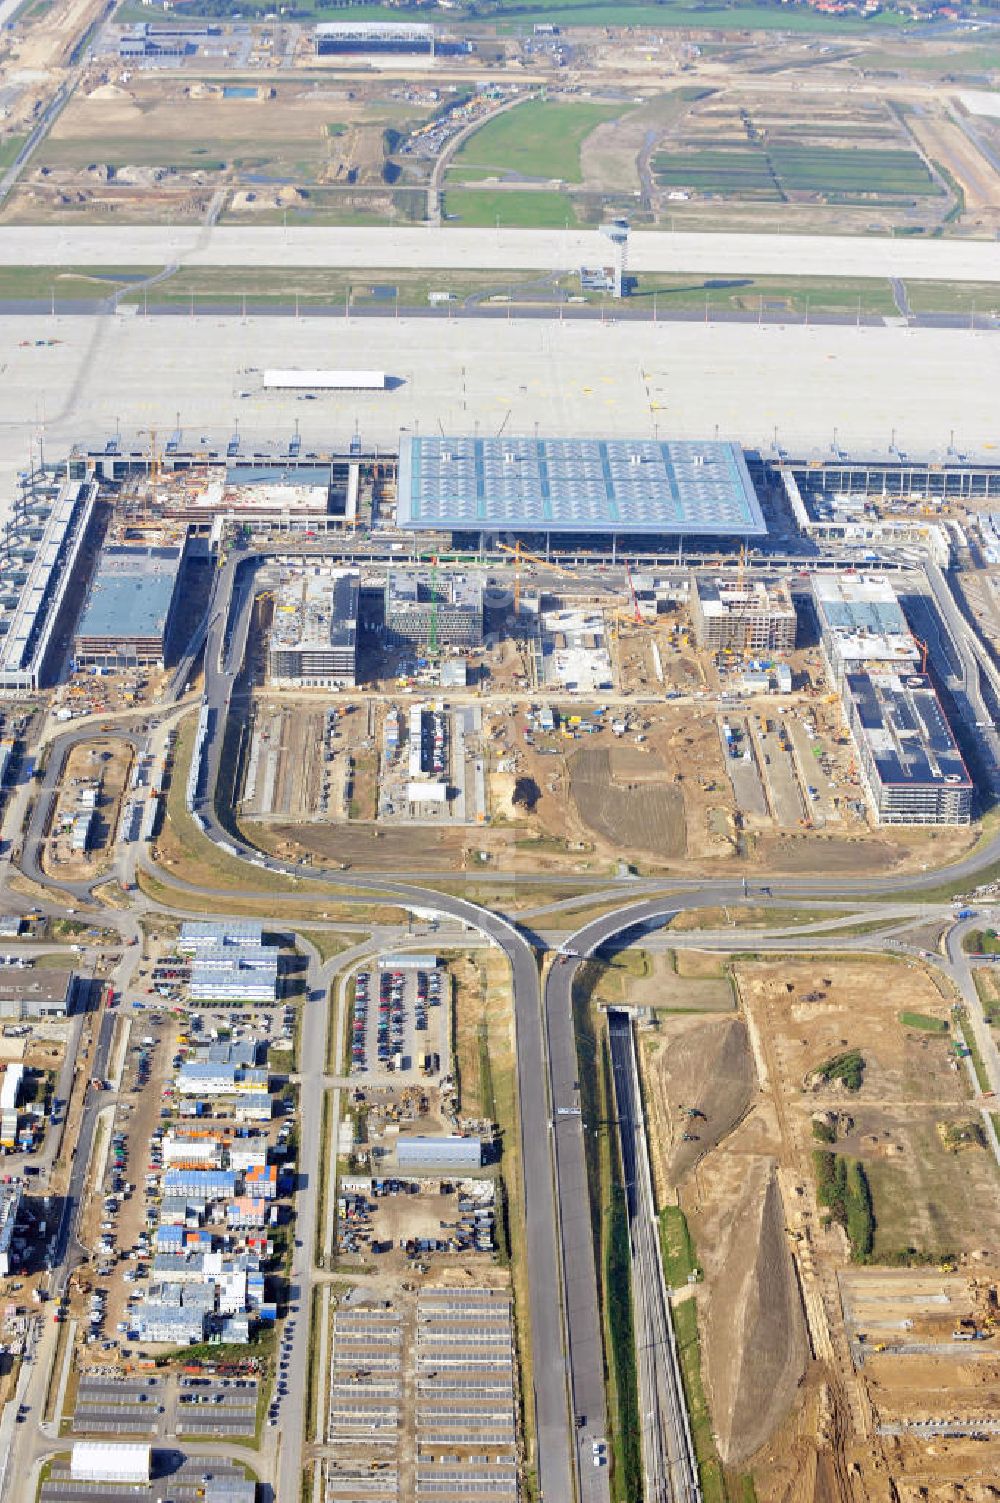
[676, 1247]
[9, 148]
[684, 1315]
[538, 138]
[626, 1475]
[969, 1039]
[924, 1022]
[474, 208]
[76, 282]
[988, 997]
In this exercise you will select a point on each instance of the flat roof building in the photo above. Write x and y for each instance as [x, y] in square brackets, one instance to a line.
[10, 1205]
[862, 626]
[110, 1461]
[35, 993]
[730, 615]
[913, 771]
[128, 613]
[576, 486]
[439, 1153]
[419, 609]
[314, 632]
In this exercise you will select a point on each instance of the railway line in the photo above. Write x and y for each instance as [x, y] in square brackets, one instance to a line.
[669, 1468]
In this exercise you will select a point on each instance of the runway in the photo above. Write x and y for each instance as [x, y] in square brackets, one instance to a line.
[498, 250]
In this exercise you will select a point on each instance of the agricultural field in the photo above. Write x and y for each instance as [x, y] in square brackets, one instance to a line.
[834, 173]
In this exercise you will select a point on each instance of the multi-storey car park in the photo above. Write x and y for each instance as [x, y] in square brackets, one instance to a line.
[128, 613]
[862, 626]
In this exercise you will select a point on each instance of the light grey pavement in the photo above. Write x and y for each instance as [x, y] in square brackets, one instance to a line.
[504, 249]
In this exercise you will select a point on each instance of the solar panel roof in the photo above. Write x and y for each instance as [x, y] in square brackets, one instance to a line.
[577, 485]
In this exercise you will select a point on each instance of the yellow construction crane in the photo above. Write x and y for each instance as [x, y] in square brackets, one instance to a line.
[517, 553]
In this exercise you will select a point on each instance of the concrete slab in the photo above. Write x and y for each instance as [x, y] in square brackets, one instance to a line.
[515, 250]
[681, 380]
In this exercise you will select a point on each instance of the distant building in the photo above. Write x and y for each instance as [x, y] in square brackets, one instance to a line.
[913, 771]
[129, 610]
[374, 36]
[314, 632]
[748, 616]
[417, 609]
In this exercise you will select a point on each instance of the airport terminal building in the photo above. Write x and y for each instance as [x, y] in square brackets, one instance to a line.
[576, 487]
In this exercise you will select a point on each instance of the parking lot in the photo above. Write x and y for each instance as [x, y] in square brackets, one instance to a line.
[779, 772]
[181, 1478]
[423, 1389]
[415, 1218]
[131, 1406]
[401, 1022]
[216, 1406]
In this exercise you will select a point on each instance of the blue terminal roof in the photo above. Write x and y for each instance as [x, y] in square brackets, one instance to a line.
[577, 485]
[131, 593]
[906, 730]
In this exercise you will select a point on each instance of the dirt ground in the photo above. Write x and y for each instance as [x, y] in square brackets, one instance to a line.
[794, 1394]
[107, 761]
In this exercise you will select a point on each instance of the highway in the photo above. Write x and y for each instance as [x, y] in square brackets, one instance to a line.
[224, 652]
[670, 1470]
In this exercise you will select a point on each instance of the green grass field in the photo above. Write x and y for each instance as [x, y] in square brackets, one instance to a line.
[516, 15]
[537, 139]
[9, 148]
[474, 208]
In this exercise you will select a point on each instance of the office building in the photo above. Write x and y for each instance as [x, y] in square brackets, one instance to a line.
[35, 993]
[733, 615]
[39, 555]
[862, 626]
[911, 765]
[10, 1205]
[423, 612]
[314, 631]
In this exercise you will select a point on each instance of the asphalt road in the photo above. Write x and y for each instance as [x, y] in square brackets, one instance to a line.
[224, 651]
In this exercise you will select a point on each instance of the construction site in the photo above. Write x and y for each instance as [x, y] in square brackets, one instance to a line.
[755, 1094]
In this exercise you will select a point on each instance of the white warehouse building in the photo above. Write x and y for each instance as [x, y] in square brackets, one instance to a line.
[109, 1461]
